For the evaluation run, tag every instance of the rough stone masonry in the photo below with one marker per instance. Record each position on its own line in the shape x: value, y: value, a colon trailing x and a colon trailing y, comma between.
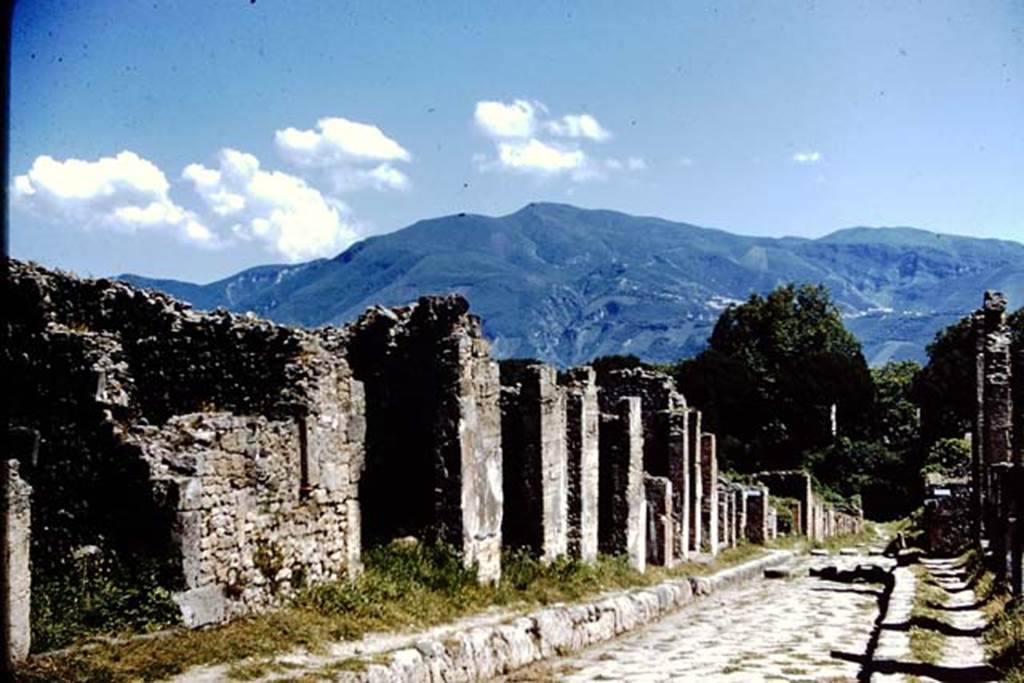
x: 238, y: 461
x: 582, y: 422
x: 533, y: 433
x: 997, y: 471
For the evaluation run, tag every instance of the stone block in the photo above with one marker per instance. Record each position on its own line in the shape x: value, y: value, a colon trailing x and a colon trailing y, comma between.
x: 202, y: 606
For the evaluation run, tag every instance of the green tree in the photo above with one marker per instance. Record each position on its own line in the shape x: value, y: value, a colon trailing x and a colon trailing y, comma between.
x: 944, y: 389
x: 887, y: 484
x: 950, y: 457
x: 896, y: 412
x: 773, y: 368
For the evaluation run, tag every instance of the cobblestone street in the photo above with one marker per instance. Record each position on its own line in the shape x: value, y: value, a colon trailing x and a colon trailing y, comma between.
x: 796, y: 629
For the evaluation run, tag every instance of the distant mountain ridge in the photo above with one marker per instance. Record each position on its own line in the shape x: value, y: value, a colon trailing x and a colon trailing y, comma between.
x: 565, y: 284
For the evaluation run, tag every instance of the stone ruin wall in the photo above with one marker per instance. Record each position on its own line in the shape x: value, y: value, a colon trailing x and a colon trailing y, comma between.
x: 252, y: 459
x: 432, y: 413
x: 534, y: 433
x: 666, y: 449
x: 227, y: 447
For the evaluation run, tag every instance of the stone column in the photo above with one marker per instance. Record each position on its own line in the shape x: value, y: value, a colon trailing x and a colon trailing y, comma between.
x: 998, y: 412
x: 15, y: 574
x: 659, y: 521
x: 723, y: 517
x: 757, y: 515
x: 534, y: 459
x: 979, y: 469
x: 1015, y: 496
x: 696, y: 483
x: 582, y: 419
x: 679, y: 474
x: 709, y: 504
x: 621, y: 502
x: 741, y: 514
x: 480, y: 460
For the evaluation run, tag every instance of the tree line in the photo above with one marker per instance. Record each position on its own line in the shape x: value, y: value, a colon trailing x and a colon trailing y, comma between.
x: 780, y: 371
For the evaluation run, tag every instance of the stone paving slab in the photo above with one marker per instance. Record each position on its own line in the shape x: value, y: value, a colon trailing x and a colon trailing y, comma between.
x: 963, y: 651
x: 797, y: 629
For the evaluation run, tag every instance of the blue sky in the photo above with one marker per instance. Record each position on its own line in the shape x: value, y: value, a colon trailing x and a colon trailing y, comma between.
x: 193, y: 139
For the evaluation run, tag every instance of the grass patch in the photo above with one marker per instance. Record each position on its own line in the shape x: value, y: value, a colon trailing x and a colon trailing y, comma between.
x: 1004, y: 637
x: 926, y: 643
x: 403, y: 586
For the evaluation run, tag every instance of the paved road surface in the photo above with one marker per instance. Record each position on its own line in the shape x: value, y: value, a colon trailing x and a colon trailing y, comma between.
x: 796, y: 629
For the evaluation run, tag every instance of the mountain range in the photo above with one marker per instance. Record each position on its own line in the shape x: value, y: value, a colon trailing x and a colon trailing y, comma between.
x: 566, y: 285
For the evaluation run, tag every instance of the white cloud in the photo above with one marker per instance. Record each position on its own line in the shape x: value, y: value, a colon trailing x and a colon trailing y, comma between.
x: 523, y: 142
x: 534, y: 155
x: 809, y: 157
x: 578, y: 126
x: 338, y: 141
x: 288, y: 215
x: 125, y: 192
x: 348, y: 154
x: 515, y: 120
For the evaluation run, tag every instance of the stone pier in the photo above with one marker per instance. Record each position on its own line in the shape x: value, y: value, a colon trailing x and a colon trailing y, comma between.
x: 739, y: 494
x: 433, y: 414
x: 757, y: 515
x: 997, y: 422
x: 582, y: 422
x: 15, y: 575
x: 696, y: 483
x: 979, y: 464
x: 660, y: 546
x: 723, y: 519
x: 666, y: 450
x: 709, y: 486
x: 533, y: 433
x: 621, y: 501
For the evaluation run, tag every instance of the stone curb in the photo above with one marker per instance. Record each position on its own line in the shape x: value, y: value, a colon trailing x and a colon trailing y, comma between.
x: 488, y: 651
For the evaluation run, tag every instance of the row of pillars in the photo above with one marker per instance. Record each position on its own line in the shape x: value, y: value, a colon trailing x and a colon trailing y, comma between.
x: 997, y: 471
x: 619, y: 467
